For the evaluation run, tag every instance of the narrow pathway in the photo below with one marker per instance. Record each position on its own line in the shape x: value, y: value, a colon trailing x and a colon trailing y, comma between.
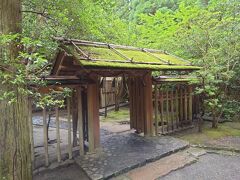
x: 209, y: 167
x: 164, y: 166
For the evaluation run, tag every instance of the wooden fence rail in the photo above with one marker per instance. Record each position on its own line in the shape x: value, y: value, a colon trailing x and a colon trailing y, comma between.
x: 173, y: 109
x: 64, y: 136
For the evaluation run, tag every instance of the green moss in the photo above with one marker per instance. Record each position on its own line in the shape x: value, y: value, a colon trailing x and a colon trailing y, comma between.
x: 121, y: 115
x: 101, y: 53
x: 139, y: 56
x: 208, y: 134
x: 179, y: 79
x: 170, y: 59
x: 107, y: 54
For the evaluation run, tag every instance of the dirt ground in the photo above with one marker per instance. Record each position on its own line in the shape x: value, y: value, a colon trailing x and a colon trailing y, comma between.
x: 226, y: 136
x: 116, y: 122
x: 71, y: 172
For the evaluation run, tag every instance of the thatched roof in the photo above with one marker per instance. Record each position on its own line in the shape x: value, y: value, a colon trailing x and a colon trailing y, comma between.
x: 110, y: 56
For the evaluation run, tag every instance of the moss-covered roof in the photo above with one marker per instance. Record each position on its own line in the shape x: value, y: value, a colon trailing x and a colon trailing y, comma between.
x: 102, y: 55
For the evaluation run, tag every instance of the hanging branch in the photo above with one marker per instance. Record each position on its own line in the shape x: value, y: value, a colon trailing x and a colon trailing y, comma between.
x: 6, y: 69
x: 43, y: 14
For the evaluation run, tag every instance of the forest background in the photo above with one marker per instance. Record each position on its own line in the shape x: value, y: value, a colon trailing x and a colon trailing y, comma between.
x: 205, y: 32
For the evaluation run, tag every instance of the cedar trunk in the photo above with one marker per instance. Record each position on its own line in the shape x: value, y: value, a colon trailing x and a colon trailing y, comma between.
x: 15, y: 149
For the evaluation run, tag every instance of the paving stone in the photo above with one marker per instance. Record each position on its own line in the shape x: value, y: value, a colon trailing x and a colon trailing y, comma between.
x: 123, y: 152
x: 196, y: 152
x: 160, y: 167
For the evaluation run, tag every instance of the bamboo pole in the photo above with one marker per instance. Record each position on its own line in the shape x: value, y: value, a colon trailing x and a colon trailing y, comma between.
x: 58, y: 135
x: 45, y: 137
x: 69, y: 128
x: 80, y: 122
x: 31, y: 130
x: 156, y: 110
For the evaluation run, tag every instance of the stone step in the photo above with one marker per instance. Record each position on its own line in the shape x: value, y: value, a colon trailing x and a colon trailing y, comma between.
x: 164, y: 166
x: 121, y: 153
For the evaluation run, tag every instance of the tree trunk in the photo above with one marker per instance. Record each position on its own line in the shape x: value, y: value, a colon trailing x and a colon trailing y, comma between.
x: 215, y: 120
x: 15, y: 148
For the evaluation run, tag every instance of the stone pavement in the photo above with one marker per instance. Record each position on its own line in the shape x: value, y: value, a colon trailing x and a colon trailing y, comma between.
x: 163, y: 166
x: 209, y: 167
x: 123, y: 152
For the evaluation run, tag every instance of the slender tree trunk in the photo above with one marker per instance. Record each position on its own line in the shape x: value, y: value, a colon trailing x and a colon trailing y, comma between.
x: 215, y: 119
x: 15, y: 148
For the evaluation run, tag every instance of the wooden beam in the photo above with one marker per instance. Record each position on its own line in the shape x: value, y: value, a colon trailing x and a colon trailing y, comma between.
x: 130, y: 90
x: 31, y: 131
x: 181, y: 106
x: 172, y: 109
x: 161, y: 110
x: 80, y: 122
x: 177, y: 108
x: 167, y: 109
x: 45, y: 137
x: 148, y: 105
x: 93, y: 115
x: 190, y: 103
x: 156, y: 109
x: 58, y: 135
x: 58, y: 62
x: 69, y: 128
x: 74, y: 117
x: 185, y: 104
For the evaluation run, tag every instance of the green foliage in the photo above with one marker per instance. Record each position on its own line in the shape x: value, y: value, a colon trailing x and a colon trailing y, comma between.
x: 207, y: 33
x: 203, y: 31
x: 208, y: 135
x: 121, y: 115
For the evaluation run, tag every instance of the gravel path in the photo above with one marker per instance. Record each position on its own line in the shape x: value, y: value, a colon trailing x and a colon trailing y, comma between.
x: 209, y: 167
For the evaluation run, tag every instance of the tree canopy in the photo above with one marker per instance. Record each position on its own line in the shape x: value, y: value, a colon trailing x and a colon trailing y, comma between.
x: 205, y: 32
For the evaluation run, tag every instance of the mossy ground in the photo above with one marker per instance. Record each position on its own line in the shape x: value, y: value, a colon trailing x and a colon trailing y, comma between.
x: 117, y: 116
x: 209, y: 134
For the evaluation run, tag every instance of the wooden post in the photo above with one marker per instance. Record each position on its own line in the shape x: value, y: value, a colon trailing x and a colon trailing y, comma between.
x: 185, y: 105
x: 141, y: 110
x: 156, y: 109
x: 190, y: 103
x: 69, y: 128
x: 45, y: 137
x: 130, y: 89
x: 80, y: 122
x: 172, y: 109
x: 181, y: 106
x: 74, y: 117
x: 105, y: 97
x: 58, y: 135
x: 167, y: 109
x: 31, y: 129
x: 161, y: 110
x: 148, y: 105
x: 177, y: 108
x: 93, y: 115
